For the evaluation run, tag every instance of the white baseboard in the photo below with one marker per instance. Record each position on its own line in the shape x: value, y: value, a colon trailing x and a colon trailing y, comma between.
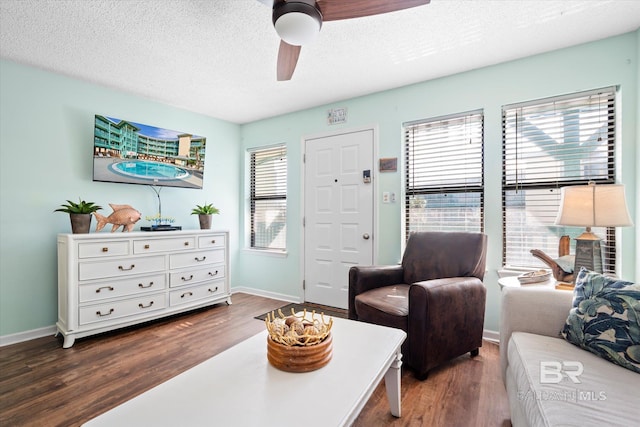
x: 27, y: 335
x: 265, y: 294
x: 52, y: 330
x: 493, y: 336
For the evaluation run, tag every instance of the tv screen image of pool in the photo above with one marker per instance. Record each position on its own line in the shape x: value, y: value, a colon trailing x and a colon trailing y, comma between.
x: 134, y: 153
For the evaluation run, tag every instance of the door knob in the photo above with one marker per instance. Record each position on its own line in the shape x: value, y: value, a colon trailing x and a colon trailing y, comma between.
x: 365, y: 236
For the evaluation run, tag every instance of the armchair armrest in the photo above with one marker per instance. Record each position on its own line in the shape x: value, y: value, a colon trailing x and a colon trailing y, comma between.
x: 541, y: 311
x: 364, y: 278
x: 454, y: 307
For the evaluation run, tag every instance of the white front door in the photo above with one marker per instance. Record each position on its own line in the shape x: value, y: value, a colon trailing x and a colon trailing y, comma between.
x: 338, y: 210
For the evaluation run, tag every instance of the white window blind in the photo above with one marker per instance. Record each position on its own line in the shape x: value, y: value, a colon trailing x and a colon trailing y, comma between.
x: 549, y: 144
x: 444, y: 174
x: 269, y: 198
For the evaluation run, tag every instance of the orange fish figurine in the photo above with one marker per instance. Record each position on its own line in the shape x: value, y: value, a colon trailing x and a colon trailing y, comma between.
x: 122, y: 215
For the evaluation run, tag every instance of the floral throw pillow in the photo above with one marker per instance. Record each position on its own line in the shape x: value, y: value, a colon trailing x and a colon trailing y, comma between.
x: 605, y: 318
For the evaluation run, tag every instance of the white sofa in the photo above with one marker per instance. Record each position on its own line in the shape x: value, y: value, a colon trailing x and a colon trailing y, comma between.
x: 532, y: 354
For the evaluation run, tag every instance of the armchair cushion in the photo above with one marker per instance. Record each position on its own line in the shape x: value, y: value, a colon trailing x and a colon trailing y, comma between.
x: 388, y: 306
x: 366, y: 278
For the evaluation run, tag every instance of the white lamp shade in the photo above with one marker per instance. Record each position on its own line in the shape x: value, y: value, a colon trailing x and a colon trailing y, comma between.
x: 297, y: 28
x: 593, y: 206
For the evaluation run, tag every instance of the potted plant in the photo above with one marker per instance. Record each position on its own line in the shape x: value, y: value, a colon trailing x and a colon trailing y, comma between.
x: 80, y: 214
x: 205, y: 213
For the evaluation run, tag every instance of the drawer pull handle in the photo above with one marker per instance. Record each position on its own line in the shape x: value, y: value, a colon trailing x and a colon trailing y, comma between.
x: 186, y: 294
x: 213, y: 242
x: 200, y: 259
x: 147, y: 246
x: 186, y: 243
x: 145, y: 306
x: 105, y: 249
x: 121, y: 268
x: 213, y: 274
x: 186, y: 280
x: 212, y: 291
x: 140, y: 285
x: 99, y: 313
x: 109, y: 288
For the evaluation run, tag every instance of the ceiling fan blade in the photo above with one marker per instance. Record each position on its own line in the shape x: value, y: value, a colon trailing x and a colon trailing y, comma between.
x: 333, y: 10
x: 287, y: 60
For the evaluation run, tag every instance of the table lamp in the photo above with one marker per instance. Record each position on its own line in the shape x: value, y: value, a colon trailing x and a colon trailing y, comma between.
x: 592, y: 206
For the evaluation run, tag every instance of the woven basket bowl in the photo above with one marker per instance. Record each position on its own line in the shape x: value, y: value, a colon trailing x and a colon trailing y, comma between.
x: 300, y: 358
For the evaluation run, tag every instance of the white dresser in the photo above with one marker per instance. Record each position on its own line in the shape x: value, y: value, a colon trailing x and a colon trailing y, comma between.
x: 111, y: 280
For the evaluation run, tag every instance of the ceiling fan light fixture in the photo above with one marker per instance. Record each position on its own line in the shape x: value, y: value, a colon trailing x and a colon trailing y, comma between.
x: 297, y: 23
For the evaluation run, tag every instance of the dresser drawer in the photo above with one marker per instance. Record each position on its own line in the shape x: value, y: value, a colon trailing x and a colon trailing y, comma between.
x: 217, y: 241
x: 122, y: 287
x: 187, y: 277
x: 148, y: 246
x: 196, y: 258
x: 103, y: 249
x: 117, y: 309
x: 120, y: 267
x: 196, y: 293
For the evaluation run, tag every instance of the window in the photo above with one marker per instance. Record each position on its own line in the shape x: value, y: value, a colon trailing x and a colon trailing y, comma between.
x: 269, y: 198
x: 444, y: 174
x: 549, y: 144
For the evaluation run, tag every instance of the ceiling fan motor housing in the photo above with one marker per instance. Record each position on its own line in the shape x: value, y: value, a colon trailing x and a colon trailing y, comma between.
x: 297, y: 22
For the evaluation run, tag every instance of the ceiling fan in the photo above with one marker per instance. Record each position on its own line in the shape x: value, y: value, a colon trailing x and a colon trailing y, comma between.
x: 298, y: 22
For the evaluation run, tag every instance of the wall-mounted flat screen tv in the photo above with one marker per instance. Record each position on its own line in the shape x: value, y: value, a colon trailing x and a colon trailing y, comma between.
x: 133, y: 153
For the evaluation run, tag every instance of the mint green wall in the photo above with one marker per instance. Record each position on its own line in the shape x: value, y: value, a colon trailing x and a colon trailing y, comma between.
x: 46, y: 125
x: 607, y: 62
x: 637, y: 173
x: 46, y: 148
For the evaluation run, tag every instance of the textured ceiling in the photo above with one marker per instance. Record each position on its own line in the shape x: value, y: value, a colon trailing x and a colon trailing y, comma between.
x: 218, y: 57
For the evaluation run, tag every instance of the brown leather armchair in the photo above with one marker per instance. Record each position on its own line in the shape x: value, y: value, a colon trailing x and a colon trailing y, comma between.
x: 436, y: 296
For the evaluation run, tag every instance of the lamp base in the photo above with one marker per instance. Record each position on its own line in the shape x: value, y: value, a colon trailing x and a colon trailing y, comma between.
x: 588, y: 255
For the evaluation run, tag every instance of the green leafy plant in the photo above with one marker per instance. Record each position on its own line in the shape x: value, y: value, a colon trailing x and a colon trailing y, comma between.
x: 207, y: 209
x: 81, y: 207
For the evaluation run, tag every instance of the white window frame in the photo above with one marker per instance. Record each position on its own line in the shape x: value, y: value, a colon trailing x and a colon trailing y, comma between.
x: 268, y: 186
x: 444, y: 157
x: 548, y: 144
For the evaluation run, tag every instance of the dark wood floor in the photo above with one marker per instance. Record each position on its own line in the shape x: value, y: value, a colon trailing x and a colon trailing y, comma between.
x: 42, y: 384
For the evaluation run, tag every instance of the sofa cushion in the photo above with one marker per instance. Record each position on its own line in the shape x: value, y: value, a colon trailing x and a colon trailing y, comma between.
x: 590, y: 284
x: 605, y: 395
x: 605, y: 319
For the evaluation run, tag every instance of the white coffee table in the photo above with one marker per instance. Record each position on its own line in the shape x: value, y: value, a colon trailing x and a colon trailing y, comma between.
x: 239, y: 387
